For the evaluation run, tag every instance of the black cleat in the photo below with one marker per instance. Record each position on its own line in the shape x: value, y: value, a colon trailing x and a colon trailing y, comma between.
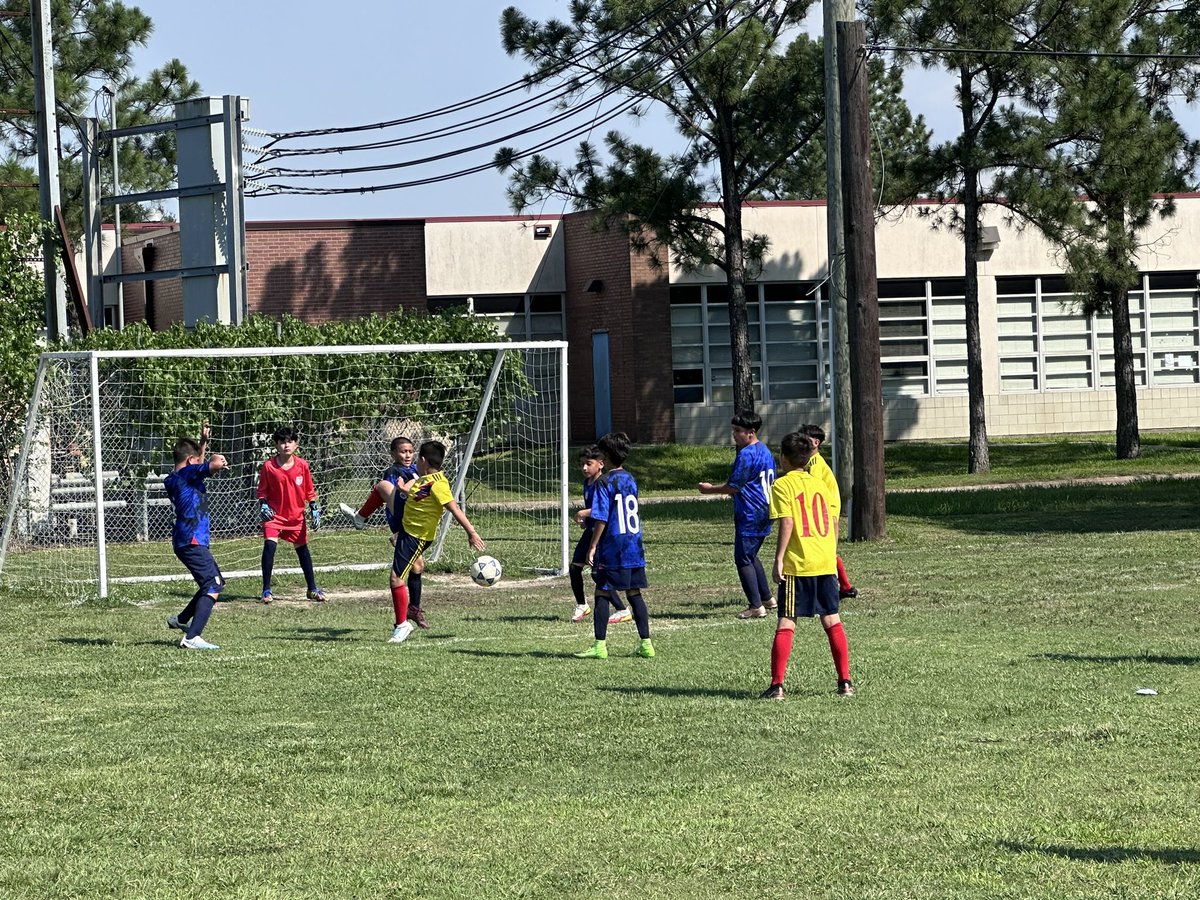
x: 845, y: 688
x: 774, y: 692
x: 848, y: 594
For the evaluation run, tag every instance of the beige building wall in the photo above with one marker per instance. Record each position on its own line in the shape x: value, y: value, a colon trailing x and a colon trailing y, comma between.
x: 493, y: 256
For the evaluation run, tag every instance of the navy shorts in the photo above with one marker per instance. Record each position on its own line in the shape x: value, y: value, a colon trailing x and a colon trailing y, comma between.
x: 199, y: 561
x: 746, y: 547
x: 408, y: 551
x: 579, y: 557
x: 619, y: 579
x: 805, y: 596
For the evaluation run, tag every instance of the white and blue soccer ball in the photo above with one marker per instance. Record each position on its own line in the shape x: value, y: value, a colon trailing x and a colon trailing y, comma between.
x: 486, y: 571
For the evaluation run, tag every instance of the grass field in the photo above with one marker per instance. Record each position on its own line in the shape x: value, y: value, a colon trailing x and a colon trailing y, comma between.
x: 996, y: 749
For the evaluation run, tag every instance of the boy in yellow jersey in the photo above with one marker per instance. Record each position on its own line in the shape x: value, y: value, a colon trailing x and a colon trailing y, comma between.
x: 428, y: 497
x: 820, y: 468
x: 806, y: 510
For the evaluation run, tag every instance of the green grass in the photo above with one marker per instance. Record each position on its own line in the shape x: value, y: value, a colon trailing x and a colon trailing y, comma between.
x: 996, y: 749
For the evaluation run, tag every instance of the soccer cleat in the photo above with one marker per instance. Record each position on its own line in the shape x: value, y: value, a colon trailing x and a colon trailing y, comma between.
x: 197, y: 643
x: 417, y: 614
x: 619, y: 616
x: 400, y: 633
x: 352, y: 514
x: 582, y: 611
x: 847, y: 593
x: 173, y: 622
x: 598, y: 650
x: 753, y: 612
x: 774, y: 692
x: 645, y: 649
x: 845, y: 688
x: 771, y: 604
x: 317, y: 595
x: 267, y: 596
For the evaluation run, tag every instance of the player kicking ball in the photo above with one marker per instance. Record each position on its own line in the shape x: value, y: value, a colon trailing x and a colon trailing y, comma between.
x: 806, y: 509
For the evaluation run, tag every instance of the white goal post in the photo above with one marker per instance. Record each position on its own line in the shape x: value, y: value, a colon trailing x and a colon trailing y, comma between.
x: 86, y: 508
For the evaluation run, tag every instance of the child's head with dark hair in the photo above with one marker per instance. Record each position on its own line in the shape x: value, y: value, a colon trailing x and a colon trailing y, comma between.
x: 592, y: 452
x: 285, y: 433
x: 398, y: 442
x: 797, y: 448
x: 185, y: 449
x: 816, y: 432
x: 747, y: 420
x: 615, y: 447
x: 434, y: 454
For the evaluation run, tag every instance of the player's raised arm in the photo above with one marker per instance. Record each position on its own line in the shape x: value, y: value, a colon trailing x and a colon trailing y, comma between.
x: 205, y: 434
x: 460, y: 517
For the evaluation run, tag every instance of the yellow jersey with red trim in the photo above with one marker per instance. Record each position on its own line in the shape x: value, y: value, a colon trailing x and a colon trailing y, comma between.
x: 426, y: 500
x: 818, y: 468
x: 813, y: 509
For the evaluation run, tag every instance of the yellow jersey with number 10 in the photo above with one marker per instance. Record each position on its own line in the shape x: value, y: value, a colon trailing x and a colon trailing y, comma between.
x: 813, y: 509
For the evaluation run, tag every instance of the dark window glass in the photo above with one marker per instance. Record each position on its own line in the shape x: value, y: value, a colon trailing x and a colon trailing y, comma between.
x: 683, y: 294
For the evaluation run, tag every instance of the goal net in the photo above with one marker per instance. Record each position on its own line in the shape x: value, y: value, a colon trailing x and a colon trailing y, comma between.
x: 86, y: 509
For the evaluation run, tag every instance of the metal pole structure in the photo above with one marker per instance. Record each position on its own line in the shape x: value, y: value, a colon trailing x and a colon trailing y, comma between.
x: 841, y: 425
x: 49, y: 195
x: 98, y: 464
x: 116, y: 182
x: 564, y: 439
x: 234, y: 112
x: 93, y: 236
x: 18, y: 481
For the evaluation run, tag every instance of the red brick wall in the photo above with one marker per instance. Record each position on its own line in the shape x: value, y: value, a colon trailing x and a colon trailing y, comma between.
x: 634, y: 309
x: 319, y: 271
x: 168, y: 293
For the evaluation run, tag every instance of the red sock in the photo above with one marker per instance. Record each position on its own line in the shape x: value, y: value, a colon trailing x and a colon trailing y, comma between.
x: 781, y: 649
x: 843, y: 579
x: 400, y: 603
x: 840, y: 650
x: 373, y: 503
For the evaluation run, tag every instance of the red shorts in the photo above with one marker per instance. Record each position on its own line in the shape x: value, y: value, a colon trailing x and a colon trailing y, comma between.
x: 282, y: 530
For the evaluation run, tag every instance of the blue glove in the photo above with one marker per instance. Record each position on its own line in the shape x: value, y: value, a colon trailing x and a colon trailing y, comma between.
x: 265, y: 511
x: 315, y: 514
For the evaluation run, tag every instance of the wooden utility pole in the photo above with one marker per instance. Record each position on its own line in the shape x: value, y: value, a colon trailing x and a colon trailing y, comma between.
x: 841, y: 405
x: 870, y: 515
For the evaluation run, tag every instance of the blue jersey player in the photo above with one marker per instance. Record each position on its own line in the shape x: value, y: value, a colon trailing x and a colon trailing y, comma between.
x: 750, y: 486
x: 190, y: 535
x: 592, y: 462
x: 616, y: 555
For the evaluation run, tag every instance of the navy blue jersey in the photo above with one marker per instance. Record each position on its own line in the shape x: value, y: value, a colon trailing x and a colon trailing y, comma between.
x: 189, y: 496
x: 616, y: 504
x: 589, y: 497
x: 753, y: 474
x: 394, y: 475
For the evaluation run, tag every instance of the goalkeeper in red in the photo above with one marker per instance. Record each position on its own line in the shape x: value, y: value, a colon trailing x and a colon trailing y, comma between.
x: 806, y: 509
x: 285, y: 486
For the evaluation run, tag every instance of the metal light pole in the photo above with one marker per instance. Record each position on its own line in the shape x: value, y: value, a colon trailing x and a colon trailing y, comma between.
x: 47, y: 147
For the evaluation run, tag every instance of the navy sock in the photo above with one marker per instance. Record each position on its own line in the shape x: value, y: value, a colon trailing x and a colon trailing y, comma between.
x: 414, y: 590
x: 190, y: 610
x: 306, y: 567
x: 576, y: 575
x: 641, y: 615
x: 764, y: 586
x: 268, y: 563
x: 750, y: 587
x: 600, y: 616
x: 204, y: 606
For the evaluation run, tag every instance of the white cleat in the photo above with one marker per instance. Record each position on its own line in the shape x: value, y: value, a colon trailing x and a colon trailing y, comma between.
x: 197, y: 643
x: 352, y: 514
x: 401, y: 632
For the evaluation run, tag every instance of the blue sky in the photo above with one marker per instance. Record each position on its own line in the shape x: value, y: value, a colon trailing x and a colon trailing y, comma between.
x: 309, y: 64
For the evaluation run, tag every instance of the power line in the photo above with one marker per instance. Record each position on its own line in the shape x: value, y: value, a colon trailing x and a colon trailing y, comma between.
x: 1066, y: 54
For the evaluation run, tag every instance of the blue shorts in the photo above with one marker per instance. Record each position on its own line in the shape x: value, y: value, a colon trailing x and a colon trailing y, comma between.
x: 805, y: 596
x: 579, y: 557
x: 746, y: 547
x: 408, y: 551
x: 619, y: 579
x: 198, y: 560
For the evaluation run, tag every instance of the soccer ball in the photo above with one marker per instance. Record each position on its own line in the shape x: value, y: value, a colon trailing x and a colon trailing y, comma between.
x: 486, y: 571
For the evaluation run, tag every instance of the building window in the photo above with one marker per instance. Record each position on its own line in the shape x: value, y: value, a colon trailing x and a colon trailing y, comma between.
x: 528, y: 317
x: 1048, y: 344
x: 923, y: 337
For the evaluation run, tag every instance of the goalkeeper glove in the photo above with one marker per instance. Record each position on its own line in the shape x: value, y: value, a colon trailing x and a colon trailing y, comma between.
x: 265, y: 511
x: 315, y: 514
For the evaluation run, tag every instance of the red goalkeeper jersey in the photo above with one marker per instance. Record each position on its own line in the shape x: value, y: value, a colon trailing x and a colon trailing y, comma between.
x: 286, y: 490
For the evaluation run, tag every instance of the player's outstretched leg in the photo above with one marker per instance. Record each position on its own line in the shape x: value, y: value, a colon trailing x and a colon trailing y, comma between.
x: 415, y: 611
x: 310, y: 576
x: 582, y: 610
x: 599, y: 649
x: 840, y: 650
x: 845, y: 589
x: 641, y: 618
x: 781, y: 649
x: 268, y: 566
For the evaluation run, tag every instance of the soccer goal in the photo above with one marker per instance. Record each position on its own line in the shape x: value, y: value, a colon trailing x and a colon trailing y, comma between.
x: 86, y: 508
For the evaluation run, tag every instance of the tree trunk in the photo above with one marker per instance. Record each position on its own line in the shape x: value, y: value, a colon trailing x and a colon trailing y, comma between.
x: 1128, y: 441
x: 978, y: 461
x: 735, y: 272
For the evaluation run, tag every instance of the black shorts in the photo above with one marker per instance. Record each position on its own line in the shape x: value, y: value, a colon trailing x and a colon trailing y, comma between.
x: 805, y: 596
x: 408, y: 551
x: 199, y: 561
x: 619, y: 579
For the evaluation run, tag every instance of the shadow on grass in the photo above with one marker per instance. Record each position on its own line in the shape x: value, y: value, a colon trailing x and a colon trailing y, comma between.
x: 84, y: 642
x: 661, y: 690
x: 317, y: 635
x: 509, y: 654
x: 1172, y: 856
x: 527, y: 619
x: 1146, y: 658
